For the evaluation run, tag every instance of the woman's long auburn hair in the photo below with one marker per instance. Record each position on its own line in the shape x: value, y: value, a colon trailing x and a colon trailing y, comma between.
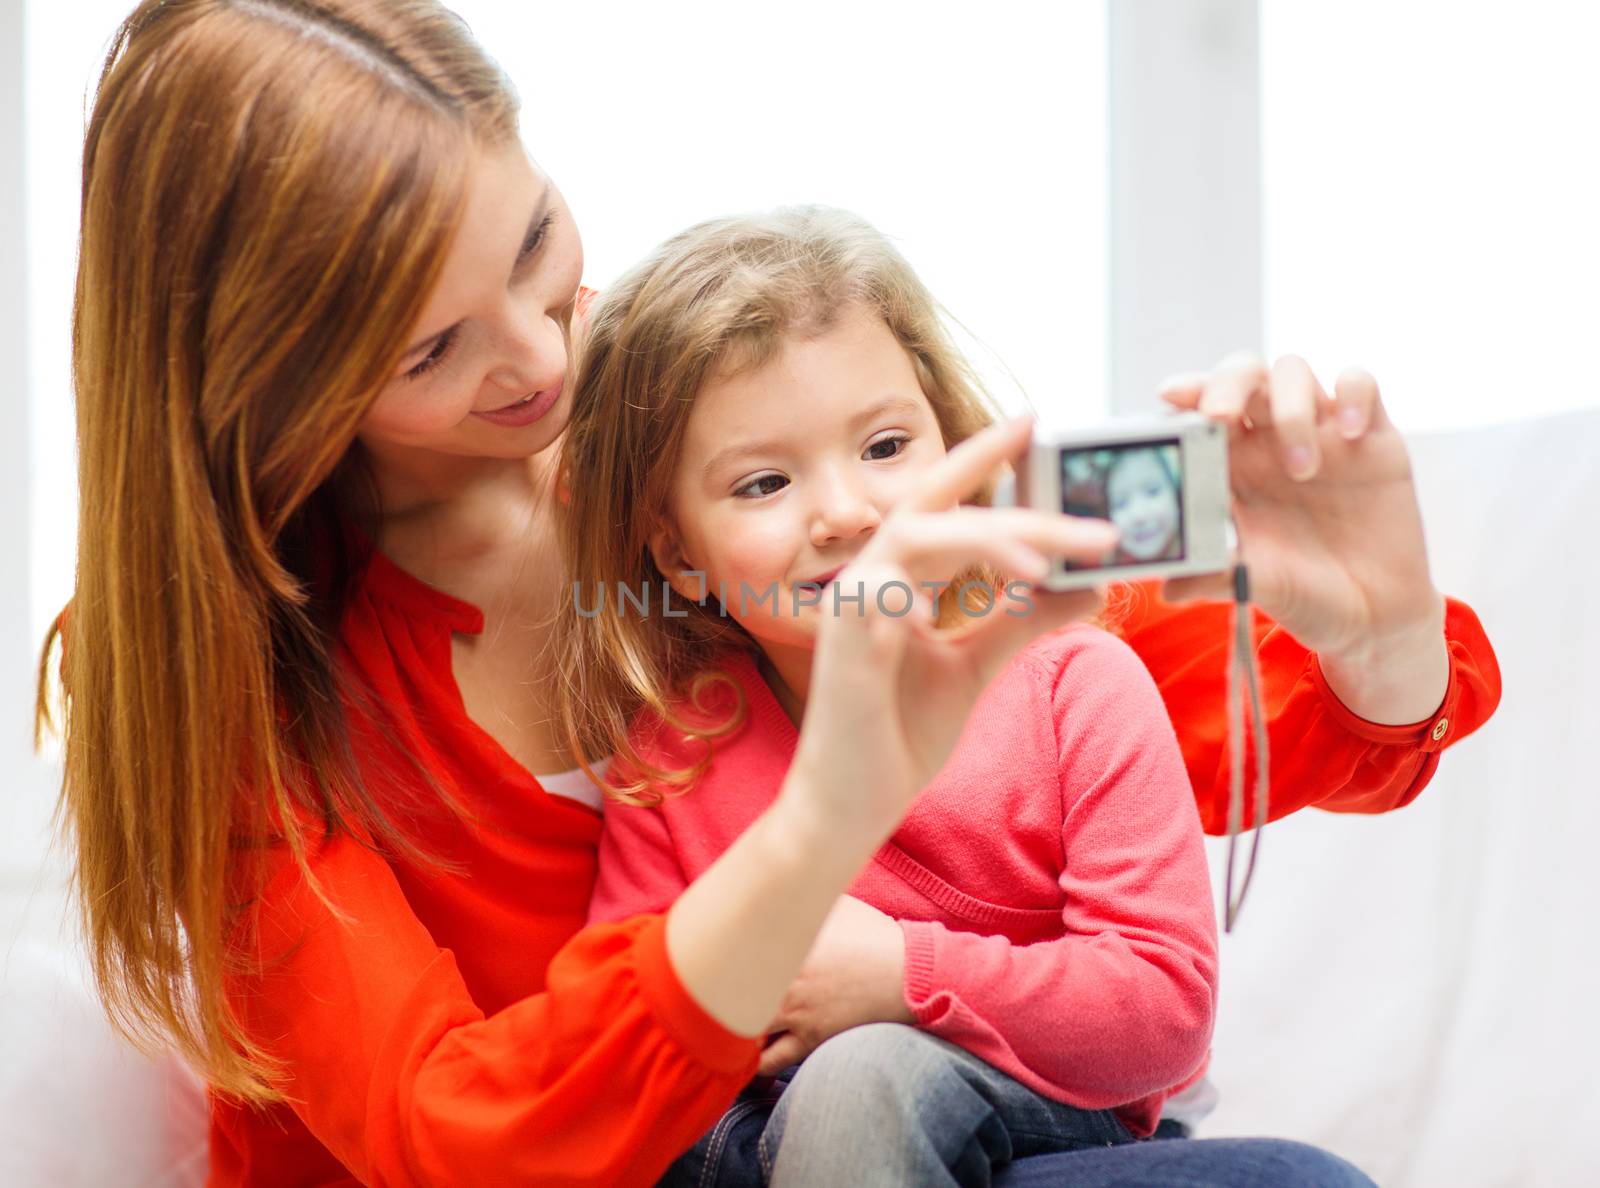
x: 270, y: 188
x: 718, y: 298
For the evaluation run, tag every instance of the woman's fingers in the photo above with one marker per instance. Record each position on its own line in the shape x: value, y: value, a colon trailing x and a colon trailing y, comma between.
x: 1297, y: 402
x: 1243, y: 391
x: 1356, y: 401
x: 1183, y: 390
x: 1233, y: 393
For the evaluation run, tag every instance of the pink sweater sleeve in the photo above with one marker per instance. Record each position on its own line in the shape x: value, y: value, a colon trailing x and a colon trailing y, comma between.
x: 1121, y: 1007
x: 639, y: 871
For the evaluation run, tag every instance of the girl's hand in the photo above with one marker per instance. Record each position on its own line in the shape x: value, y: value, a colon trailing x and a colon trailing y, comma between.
x: 1330, y: 528
x: 854, y: 974
x: 889, y: 692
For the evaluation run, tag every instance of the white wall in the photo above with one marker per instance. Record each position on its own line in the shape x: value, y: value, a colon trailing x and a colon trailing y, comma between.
x: 1430, y: 189
x: 976, y: 136
x: 24, y: 783
x: 1185, y: 191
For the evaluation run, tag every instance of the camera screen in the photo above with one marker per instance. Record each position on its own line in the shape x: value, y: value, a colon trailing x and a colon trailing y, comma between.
x: 1139, y: 488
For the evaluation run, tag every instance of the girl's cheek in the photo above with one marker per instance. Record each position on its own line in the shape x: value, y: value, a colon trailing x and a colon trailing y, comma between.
x: 754, y: 561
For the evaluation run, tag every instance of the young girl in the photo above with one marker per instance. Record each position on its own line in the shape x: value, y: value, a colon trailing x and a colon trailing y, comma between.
x: 755, y: 399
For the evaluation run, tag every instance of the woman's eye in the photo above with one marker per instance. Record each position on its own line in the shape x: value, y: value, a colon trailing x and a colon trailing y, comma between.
x: 766, y: 484
x: 441, y: 348
x: 876, y: 452
x: 535, y: 237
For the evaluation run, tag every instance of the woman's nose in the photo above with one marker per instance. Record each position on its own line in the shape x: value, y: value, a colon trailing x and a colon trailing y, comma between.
x: 533, y: 354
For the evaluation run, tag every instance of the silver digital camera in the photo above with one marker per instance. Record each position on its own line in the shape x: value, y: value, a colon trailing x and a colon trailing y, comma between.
x: 1162, y: 482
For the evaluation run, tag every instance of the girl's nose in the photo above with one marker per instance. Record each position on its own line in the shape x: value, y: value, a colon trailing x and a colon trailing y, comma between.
x: 846, y: 512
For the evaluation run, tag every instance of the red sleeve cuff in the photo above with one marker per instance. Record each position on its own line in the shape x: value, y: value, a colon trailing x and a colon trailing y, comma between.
x: 680, y: 1014
x: 1430, y: 734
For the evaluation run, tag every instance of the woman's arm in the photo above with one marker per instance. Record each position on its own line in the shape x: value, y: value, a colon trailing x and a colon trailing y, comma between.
x: 1369, y: 671
x: 1322, y: 754
x: 603, y: 1077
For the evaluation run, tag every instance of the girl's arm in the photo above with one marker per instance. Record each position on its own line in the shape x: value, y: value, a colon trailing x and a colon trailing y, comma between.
x: 1121, y: 1006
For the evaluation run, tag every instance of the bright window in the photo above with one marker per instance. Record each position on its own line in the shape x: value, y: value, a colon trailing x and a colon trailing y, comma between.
x: 1430, y: 191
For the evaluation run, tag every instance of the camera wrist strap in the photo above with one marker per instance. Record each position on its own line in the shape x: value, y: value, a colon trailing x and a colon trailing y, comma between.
x: 1244, y: 693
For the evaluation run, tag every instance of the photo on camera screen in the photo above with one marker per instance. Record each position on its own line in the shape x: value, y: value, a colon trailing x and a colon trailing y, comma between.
x: 1139, y: 488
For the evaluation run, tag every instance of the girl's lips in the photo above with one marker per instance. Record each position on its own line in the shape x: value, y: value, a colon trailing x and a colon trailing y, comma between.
x: 525, y: 411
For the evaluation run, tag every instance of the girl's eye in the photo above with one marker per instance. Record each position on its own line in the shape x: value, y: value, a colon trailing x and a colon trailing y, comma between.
x: 766, y: 484
x: 441, y: 348
x: 897, y: 444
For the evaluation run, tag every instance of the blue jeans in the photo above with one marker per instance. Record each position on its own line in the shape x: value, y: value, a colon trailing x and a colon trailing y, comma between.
x: 1193, y: 1163
x: 889, y: 1105
x: 909, y: 1106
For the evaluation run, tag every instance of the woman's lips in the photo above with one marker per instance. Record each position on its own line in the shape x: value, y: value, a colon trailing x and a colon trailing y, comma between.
x: 525, y: 411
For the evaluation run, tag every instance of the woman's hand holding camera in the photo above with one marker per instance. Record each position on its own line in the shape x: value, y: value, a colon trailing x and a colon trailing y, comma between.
x: 1330, y: 528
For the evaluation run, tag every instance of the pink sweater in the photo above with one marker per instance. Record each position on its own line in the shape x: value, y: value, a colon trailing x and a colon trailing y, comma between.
x: 1051, y: 882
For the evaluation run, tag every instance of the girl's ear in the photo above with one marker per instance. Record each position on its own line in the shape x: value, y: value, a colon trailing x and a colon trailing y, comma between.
x: 667, y: 552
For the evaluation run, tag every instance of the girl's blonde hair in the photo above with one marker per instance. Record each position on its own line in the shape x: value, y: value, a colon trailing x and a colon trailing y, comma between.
x: 717, y: 299
x: 270, y: 188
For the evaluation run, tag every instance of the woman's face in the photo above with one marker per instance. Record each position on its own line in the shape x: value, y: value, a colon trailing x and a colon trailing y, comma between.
x: 485, y: 366
x: 1144, y: 505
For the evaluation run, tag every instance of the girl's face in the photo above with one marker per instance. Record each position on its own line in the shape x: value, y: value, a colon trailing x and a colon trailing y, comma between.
x: 1143, y: 504
x: 485, y: 366
x: 788, y: 470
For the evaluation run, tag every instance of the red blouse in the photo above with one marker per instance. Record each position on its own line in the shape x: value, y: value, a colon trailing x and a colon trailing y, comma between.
x: 461, y: 1026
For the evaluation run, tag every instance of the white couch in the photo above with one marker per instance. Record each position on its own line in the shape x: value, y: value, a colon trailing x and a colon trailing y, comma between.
x: 1418, y: 992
